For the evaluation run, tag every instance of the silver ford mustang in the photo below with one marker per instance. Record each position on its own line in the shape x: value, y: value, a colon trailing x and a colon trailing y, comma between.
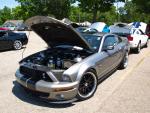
x: 72, y: 65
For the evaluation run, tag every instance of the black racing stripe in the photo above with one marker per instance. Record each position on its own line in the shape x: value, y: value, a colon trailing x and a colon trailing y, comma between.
x: 31, y: 83
x: 24, y: 79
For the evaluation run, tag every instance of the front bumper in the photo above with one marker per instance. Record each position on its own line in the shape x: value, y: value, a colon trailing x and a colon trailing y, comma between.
x: 58, y: 91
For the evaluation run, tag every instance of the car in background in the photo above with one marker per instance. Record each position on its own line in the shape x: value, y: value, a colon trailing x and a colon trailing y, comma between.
x: 138, y: 39
x: 73, y: 64
x: 135, y: 36
x: 90, y: 30
x: 4, y: 29
x: 81, y: 29
x: 141, y: 25
x: 86, y: 30
x: 10, y: 26
x: 11, y: 40
x: 100, y: 27
x: 21, y: 27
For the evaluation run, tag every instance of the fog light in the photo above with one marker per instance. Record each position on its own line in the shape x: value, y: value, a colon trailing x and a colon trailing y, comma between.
x: 60, y: 96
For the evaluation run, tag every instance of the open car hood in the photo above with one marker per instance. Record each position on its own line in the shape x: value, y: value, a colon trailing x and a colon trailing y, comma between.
x: 55, y: 33
x: 120, y: 28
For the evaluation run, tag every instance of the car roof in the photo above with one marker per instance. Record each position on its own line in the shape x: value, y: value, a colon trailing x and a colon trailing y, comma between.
x: 95, y: 34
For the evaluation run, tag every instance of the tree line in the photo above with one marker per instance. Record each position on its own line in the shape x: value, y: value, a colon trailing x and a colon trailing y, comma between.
x: 86, y: 10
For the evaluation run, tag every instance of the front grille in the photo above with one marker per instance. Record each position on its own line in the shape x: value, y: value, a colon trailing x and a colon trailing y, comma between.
x: 36, y: 75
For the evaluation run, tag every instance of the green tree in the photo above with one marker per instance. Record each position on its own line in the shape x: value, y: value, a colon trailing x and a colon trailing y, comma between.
x: 130, y: 13
x: 18, y: 13
x: 58, y: 8
x: 5, y: 14
x: 77, y: 15
x: 108, y: 17
x: 93, y: 6
x: 143, y: 5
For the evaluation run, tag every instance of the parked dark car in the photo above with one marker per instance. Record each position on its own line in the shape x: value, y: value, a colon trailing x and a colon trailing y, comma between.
x: 75, y: 62
x: 11, y: 40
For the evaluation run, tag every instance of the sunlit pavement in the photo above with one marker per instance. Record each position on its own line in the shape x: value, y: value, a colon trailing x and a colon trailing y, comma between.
x: 125, y: 91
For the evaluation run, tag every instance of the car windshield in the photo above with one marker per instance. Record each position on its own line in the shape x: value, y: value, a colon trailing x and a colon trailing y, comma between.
x: 93, y: 40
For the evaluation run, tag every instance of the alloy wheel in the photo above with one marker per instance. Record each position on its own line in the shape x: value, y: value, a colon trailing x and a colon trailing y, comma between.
x: 125, y: 62
x: 17, y: 45
x: 139, y: 48
x: 87, y: 86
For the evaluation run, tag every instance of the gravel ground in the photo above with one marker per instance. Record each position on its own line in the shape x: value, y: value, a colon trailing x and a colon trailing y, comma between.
x: 125, y: 91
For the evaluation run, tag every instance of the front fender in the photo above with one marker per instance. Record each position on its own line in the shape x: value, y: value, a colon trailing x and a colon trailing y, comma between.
x: 84, y: 68
x: 76, y: 71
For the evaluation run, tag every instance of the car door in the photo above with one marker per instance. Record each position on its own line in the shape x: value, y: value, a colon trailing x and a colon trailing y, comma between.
x: 4, y: 41
x: 110, y: 57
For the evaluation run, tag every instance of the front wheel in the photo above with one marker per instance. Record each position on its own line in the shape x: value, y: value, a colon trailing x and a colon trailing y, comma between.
x: 87, y: 86
x: 17, y: 45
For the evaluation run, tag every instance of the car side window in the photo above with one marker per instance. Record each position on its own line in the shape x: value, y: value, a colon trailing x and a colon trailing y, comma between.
x: 110, y: 41
x: 137, y: 32
x: 2, y: 34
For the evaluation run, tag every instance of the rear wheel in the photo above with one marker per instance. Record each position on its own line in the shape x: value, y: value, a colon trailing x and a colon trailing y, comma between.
x: 146, y: 45
x: 124, y: 62
x: 87, y: 86
x: 17, y: 45
x: 138, y: 49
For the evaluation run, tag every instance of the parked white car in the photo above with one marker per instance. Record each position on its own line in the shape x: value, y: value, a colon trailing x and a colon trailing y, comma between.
x: 137, y: 39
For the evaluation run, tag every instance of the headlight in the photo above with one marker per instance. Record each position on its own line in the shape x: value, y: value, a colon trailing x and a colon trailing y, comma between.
x: 66, y: 78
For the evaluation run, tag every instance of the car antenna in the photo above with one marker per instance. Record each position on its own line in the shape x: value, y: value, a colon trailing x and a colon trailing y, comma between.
x: 25, y: 45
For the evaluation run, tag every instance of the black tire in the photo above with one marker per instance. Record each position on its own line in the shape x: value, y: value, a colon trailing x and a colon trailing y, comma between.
x: 124, y: 62
x: 138, y: 49
x: 146, y: 45
x: 87, y: 86
x: 17, y: 45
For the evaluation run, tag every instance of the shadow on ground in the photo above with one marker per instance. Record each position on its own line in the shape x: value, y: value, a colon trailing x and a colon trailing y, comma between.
x: 6, y: 50
x: 25, y: 96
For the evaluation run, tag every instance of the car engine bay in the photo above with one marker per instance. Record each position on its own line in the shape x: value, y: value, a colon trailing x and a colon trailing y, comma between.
x: 57, y: 59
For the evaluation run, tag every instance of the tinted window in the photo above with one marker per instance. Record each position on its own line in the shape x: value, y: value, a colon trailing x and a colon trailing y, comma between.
x: 93, y: 40
x: 2, y: 34
x: 110, y: 41
x: 137, y: 32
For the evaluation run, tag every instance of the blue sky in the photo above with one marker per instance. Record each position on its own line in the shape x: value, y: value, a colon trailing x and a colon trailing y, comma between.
x: 13, y: 3
x: 9, y: 3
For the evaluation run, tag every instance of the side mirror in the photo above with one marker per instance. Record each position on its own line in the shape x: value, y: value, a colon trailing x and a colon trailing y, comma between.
x: 110, y: 47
